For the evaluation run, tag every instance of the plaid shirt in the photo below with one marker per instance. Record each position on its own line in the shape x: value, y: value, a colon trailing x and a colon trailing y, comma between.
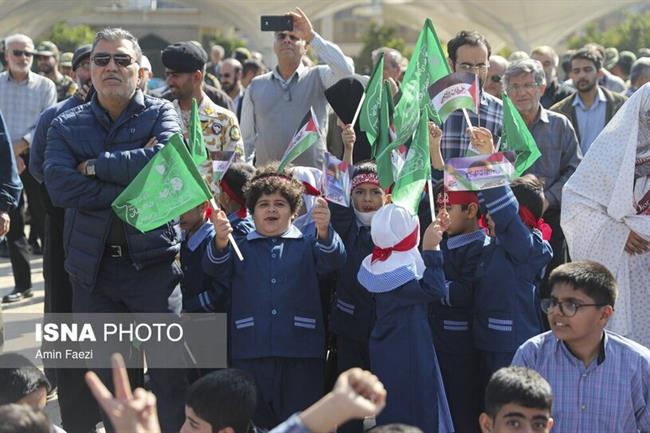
x: 612, y: 394
x: 455, y: 140
x: 22, y: 103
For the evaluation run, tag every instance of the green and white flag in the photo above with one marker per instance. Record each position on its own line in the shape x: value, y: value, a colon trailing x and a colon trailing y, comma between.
x: 168, y: 186
x: 369, y: 115
x: 304, y: 138
x: 427, y: 65
x: 517, y: 137
x: 411, y: 180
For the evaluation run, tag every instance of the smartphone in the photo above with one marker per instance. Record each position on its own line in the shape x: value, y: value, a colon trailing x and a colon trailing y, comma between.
x: 276, y: 23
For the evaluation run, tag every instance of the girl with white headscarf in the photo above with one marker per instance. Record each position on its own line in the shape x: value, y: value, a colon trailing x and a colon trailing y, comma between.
x: 606, y: 212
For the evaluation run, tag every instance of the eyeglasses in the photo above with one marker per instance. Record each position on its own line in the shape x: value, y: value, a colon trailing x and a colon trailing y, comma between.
x: 466, y: 67
x: 283, y: 35
x: 103, y: 59
x: 496, y: 78
x: 527, y: 87
x: 567, y: 308
x: 20, y: 53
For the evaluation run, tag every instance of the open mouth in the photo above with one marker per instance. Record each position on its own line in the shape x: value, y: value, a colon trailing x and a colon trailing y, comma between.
x: 271, y: 219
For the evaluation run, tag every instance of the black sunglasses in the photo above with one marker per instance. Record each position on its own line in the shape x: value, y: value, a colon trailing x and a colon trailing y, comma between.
x: 496, y: 78
x: 20, y: 53
x: 280, y: 36
x: 103, y: 59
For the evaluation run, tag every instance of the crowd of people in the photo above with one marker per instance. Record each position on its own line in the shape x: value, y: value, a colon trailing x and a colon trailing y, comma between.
x: 516, y: 308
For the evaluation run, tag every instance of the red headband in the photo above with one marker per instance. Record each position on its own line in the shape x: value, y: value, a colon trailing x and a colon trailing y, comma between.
x: 242, y: 212
x: 405, y: 244
x: 456, y: 197
x: 535, y: 223
x: 370, y: 178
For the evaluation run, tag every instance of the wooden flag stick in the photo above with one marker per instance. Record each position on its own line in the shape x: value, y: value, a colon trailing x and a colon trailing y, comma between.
x: 356, y: 113
x: 469, y: 122
x: 231, y: 239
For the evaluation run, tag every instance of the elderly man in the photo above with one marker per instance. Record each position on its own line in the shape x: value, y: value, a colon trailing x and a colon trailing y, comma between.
x: 549, y: 59
x: 494, y: 81
x: 556, y: 139
x: 639, y: 75
x: 93, y: 152
x: 23, y: 96
x: 392, y: 62
x: 592, y: 106
x: 275, y: 103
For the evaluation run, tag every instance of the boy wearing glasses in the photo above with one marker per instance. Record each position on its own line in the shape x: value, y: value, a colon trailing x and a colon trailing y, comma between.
x: 600, y: 380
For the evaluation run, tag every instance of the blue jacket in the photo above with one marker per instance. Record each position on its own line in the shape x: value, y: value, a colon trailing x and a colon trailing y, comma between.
x: 241, y: 226
x: 451, y: 317
x: 353, y: 308
x: 87, y: 132
x: 506, y: 299
x: 10, y: 185
x: 39, y: 139
x: 201, y: 293
x: 276, y: 308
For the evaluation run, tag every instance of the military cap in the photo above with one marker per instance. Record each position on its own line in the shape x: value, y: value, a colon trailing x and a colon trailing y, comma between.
x: 47, y: 48
x: 184, y: 57
x: 66, y: 59
x: 80, y: 54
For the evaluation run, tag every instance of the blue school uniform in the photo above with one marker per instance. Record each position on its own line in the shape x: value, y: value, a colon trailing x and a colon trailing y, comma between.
x: 506, y: 304
x: 201, y: 293
x: 352, y: 314
x: 451, y: 326
x: 276, y: 323
x: 401, y: 353
x: 241, y: 226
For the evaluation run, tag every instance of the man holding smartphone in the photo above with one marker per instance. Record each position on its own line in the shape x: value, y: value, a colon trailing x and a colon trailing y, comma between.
x: 276, y: 102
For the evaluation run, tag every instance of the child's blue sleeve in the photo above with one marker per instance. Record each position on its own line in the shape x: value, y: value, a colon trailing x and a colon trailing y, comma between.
x: 219, y: 263
x: 330, y: 254
x: 341, y: 218
x: 460, y: 291
x: 208, y: 300
x: 517, y: 239
x: 433, y: 281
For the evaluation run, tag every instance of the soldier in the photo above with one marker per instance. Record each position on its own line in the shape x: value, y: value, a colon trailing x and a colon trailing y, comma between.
x: 47, y: 59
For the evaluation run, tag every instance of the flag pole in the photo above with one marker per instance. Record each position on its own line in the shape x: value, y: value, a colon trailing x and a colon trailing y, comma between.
x: 469, y: 122
x: 231, y: 239
x: 356, y: 113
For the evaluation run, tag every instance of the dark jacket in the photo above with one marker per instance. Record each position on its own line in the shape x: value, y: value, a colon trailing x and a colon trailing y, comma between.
x: 565, y: 106
x: 10, y: 184
x: 87, y: 132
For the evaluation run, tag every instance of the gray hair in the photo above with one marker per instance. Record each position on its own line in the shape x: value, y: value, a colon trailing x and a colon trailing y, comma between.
x: 18, y: 37
x: 526, y: 66
x: 640, y: 68
x: 118, y: 34
x: 218, y: 48
x: 546, y: 50
x: 390, y: 54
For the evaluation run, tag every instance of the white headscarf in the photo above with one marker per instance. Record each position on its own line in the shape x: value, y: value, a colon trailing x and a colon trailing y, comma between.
x: 598, y: 212
x: 390, y: 225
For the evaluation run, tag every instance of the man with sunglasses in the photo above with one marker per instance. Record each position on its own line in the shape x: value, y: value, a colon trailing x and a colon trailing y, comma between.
x: 275, y: 103
x: 93, y: 152
x: 23, y: 96
x: 494, y: 81
x: 600, y: 380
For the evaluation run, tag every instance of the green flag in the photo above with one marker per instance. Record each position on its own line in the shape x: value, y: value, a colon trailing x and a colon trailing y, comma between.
x: 517, y: 137
x: 197, y: 142
x: 410, y: 182
x: 166, y: 187
x: 384, y: 146
x: 369, y: 115
x: 427, y: 65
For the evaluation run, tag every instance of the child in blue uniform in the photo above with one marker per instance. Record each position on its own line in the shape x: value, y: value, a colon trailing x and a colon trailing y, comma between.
x: 506, y: 300
x: 451, y: 316
x: 401, y: 352
x: 232, y: 198
x: 277, y: 329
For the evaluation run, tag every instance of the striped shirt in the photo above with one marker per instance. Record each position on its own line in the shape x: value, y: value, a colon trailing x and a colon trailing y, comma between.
x: 23, y: 102
x: 455, y: 140
x: 610, y: 395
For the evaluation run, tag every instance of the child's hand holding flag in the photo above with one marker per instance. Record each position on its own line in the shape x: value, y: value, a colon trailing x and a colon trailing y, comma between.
x: 432, y: 236
x: 222, y: 228
x: 321, y: 216
x: 481, y: 139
